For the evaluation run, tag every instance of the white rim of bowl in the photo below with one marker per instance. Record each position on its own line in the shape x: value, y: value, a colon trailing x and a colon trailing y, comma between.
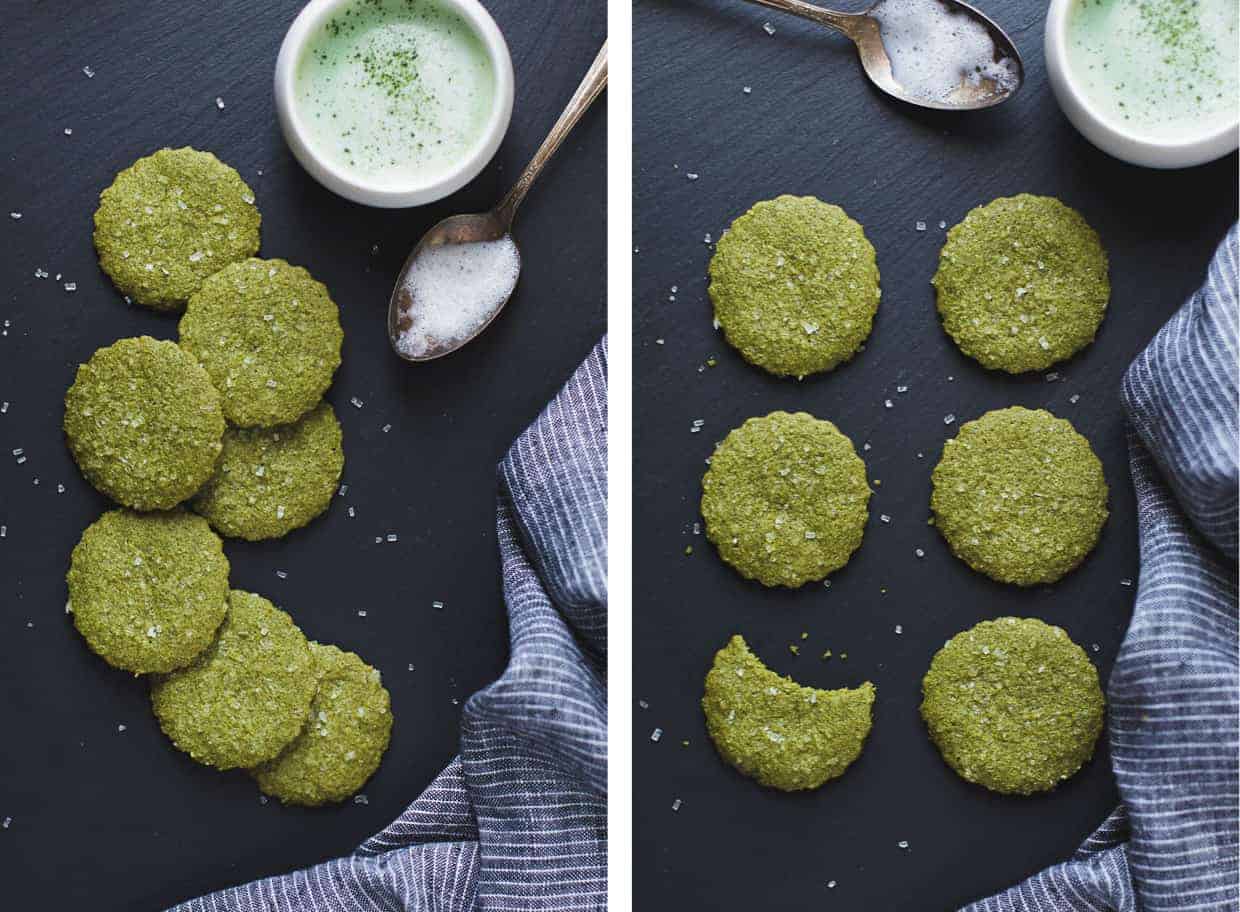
x: 1056, y: 30
x: 350, y: 185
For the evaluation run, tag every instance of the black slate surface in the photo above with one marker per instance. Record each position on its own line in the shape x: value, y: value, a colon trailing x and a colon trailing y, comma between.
x: 108, y: 820
x: 811, y: 125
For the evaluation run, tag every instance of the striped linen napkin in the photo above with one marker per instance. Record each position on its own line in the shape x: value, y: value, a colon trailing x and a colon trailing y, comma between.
x: 518, y: 821
x: 1174, y: 701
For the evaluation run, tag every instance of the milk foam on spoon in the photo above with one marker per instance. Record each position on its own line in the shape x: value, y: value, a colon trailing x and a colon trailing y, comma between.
x: 934, y: 50
x: 455, y: 290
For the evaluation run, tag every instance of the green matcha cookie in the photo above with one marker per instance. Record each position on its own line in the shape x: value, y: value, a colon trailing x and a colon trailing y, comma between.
x: 148, y: 590
x: 269, y: 481
x: 247, y: 697
x: 774, y: 730
x: 1022, y: 283
x: 1020, y: 496
x: 785, y: 499
x: 269, y: 335
x: 341, y: 746
x: 144, y: 423
x: 1013, y: 705
x: 795, y: 285
x: 170, y: 220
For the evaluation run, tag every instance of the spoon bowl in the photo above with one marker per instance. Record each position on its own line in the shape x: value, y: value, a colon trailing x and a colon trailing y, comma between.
x: 403, y: 310
x: 898, y: 40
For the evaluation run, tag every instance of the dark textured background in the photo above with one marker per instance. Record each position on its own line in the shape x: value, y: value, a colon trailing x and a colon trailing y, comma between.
x: 111, y: 821
x: 813, y: 126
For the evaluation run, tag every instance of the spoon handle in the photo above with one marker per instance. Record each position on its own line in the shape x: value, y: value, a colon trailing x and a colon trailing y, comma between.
x: 841, y: 22
x: 591, y: 87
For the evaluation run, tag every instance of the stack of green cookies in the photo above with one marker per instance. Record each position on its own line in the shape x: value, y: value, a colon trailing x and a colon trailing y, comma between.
x: 230, y: 422
x: 1018, y: 495
x: 232, y: 417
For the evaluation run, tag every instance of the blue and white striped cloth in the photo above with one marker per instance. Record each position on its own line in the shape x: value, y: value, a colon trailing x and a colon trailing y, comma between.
x: 518, y: 821
x: 1174, y: 694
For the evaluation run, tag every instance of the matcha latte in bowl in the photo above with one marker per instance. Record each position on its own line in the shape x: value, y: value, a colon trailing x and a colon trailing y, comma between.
x: 1151, y: 83
x: 394, y: 103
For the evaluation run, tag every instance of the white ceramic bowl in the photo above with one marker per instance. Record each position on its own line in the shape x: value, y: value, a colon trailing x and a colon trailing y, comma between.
x: 1105, y: 133
x: 355, y: 187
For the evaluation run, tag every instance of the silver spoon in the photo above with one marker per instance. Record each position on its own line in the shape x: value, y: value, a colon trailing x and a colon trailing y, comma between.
x: 495, y: 225
x: 864, y: 29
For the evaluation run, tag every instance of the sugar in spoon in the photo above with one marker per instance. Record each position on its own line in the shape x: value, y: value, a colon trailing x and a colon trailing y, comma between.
x: 940, y: 54
x: 462, y: 272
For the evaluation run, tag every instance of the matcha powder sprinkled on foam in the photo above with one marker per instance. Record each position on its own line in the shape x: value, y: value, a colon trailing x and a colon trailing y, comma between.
x: 395, y: 90
x: 1166, y: 69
